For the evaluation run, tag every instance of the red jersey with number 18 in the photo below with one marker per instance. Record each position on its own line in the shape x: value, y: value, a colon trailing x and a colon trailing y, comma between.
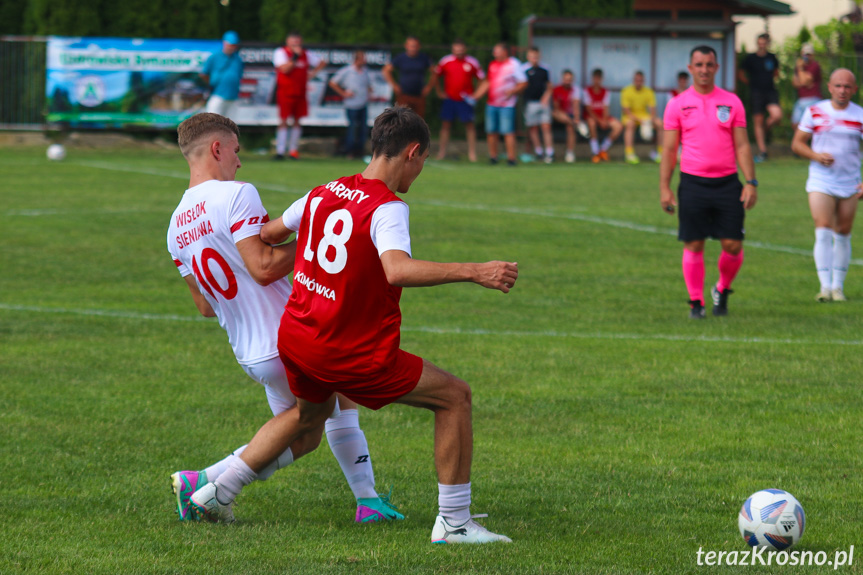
x: 342, y: 322
x: 211, y: 218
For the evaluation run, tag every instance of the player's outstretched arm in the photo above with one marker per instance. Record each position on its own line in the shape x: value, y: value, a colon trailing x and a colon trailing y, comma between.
x: 403, y: 271
x: 275, y: 232
x: 200, y: 301
x: 267, y: 263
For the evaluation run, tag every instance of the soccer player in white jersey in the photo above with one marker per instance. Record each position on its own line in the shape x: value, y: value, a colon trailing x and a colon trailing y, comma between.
x: 835, y: 127
x: 214, y: 238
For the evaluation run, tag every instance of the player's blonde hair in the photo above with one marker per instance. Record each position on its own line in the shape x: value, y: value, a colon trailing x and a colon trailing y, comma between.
x: 192, y: 131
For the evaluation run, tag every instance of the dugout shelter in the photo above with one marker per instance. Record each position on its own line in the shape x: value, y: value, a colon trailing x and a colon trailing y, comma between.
x: 657, y: 41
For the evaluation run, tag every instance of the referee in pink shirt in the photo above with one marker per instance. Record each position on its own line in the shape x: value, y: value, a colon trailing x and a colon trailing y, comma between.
x: 710, y: 124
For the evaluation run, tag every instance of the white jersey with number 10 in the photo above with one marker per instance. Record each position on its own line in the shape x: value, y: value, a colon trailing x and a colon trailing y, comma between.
x: 211, y: 218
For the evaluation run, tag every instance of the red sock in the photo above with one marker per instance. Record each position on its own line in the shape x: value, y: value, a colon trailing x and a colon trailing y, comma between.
x: 729, y: 265
x: 693, y: 274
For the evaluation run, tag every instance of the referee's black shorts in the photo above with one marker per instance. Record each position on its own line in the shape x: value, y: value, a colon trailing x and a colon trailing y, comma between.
x: 709, y: 207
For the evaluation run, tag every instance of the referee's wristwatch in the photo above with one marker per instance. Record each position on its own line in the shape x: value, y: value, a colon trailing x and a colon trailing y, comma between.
x: 752, y: 182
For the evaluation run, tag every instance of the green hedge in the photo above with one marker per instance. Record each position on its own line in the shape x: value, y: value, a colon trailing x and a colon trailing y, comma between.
x: 335, y: 21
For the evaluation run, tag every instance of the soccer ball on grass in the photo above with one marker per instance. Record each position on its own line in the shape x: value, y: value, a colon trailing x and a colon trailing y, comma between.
x: 56, y: 152
x: 771, y: 518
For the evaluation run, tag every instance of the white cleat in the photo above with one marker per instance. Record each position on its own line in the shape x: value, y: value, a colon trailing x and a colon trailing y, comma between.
x: 570, y: 157
x: 205, y: 504
x: 824, y: 296
x: 468, y: 532
x: 838, y: 295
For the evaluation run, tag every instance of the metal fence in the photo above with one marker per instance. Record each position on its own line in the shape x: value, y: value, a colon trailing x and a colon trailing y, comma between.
x: 22, y: 82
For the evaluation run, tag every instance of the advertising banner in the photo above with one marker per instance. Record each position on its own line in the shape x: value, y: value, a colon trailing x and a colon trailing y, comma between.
x: 126, y: 82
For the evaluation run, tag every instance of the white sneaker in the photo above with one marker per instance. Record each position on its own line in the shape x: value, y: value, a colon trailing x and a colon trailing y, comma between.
x: 824, y: 295
x: 205, y: 504
x: 838, y: 294
x: 468, y: 532
x: 548, y: 159
x: 570, y: 157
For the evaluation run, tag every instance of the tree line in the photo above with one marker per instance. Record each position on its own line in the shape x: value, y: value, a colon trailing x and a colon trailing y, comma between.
x: 320, y: 21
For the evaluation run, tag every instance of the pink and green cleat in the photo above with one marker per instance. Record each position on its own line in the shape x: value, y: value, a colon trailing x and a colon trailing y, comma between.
x: 377, y: 509
x: 183, y: 484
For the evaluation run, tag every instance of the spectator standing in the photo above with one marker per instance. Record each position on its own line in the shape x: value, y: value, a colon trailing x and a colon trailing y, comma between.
x: 354, y: 84
x: 537, y: 112
x: 415, y: 72
x: 223, y: 72
x: 458, y: 71
x: 759, y: 70
x: 294, y: 67
x: 807, y: 81
x: 506, y: 80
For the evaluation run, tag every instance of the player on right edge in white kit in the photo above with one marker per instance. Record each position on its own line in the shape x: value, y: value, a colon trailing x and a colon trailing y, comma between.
x: 214, y: 238
x: 834, y: 184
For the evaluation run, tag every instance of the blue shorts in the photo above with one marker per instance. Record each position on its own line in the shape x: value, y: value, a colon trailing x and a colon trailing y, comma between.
x: 499, y: 120
x: 450, y: 109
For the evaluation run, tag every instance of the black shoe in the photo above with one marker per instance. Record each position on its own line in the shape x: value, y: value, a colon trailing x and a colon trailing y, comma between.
x: 697, y: 310
x: 492, y: 161
x: 278, y: 157
x: 720, y: 300
x: 511, y: 163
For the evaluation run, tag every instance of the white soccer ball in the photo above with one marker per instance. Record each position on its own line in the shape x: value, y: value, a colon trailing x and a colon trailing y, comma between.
x: 583, y: 129
x: 56, y: 152
x: 647, y: 131
x: 771, y: 518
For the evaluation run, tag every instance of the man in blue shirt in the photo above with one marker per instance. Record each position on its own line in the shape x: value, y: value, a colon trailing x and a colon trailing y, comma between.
x: 414, y: 69
x: 223, y: 72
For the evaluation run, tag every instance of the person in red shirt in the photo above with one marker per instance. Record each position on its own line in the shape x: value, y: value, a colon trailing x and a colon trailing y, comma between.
x: 566, y: 109
x: 459, y: 72
x: 340, y: 332
x: 682, y: 83
x: 807, y: 81
x: 597, y: 99
x: 294, y: 67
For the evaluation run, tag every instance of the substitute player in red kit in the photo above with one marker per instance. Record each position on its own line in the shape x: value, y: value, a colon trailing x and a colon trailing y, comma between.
x: 710, y: 123
x: 341, y: 328
x: 214, y: 239
x: 294, y: 67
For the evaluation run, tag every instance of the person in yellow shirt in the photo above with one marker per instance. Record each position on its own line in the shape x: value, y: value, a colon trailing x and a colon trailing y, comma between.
x: 638, y: 103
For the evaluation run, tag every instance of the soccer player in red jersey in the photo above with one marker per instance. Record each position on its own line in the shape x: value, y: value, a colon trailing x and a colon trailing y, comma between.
x: 710, y: 123
x: 294, y: 67
x: 566, y: 109
x: 341, y: 328
x: 596, y: 102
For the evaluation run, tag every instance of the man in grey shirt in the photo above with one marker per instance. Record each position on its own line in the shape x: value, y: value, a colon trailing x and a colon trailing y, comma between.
x: 354, y: 84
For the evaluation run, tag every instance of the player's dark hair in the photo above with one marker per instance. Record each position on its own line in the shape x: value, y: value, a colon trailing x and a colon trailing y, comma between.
x: 567, y: 71
x: 533, y: 49
x: 683, y: 75
x: 702, y: 49
x: 596, y: 72
x: 294, y: 33
x: 459, y: 41
x: 639, y: 73
x: 765, y: 36
x: 193, y: 130
x: 395, y: 129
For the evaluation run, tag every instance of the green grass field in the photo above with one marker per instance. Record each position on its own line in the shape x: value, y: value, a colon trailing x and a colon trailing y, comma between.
x: 612, y: 434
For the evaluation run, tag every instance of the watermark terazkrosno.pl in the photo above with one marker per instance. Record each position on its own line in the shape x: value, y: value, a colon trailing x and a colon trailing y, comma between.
x: 764, y: 556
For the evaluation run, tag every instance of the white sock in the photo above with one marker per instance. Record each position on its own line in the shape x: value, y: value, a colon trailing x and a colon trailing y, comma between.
x: 823, y: 253
x: 594, y: 146
x: 606, y: 144
x: 348, y: 443
x: 549, y: 152
x: 841, y: 258
x: 283, y: 460
x: 537, y: 151
x: 232, y: 481
x: 281, y: 140
x: 295, y: 137
x: 215, y: 470
x: 454, y: 503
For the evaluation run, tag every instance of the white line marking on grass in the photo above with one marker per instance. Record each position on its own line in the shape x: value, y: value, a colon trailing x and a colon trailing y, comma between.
x: 609, y: 222
x: 119, y: 314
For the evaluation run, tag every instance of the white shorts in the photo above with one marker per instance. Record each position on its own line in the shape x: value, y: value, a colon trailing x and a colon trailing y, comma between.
x: 535, y: 113
x: 843, y: 193
x: 218, y: 105
x: 272, y: 375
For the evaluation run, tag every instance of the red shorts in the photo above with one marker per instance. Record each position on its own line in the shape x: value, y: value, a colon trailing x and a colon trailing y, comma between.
x: 385, y: 388
x: 291, y: 106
